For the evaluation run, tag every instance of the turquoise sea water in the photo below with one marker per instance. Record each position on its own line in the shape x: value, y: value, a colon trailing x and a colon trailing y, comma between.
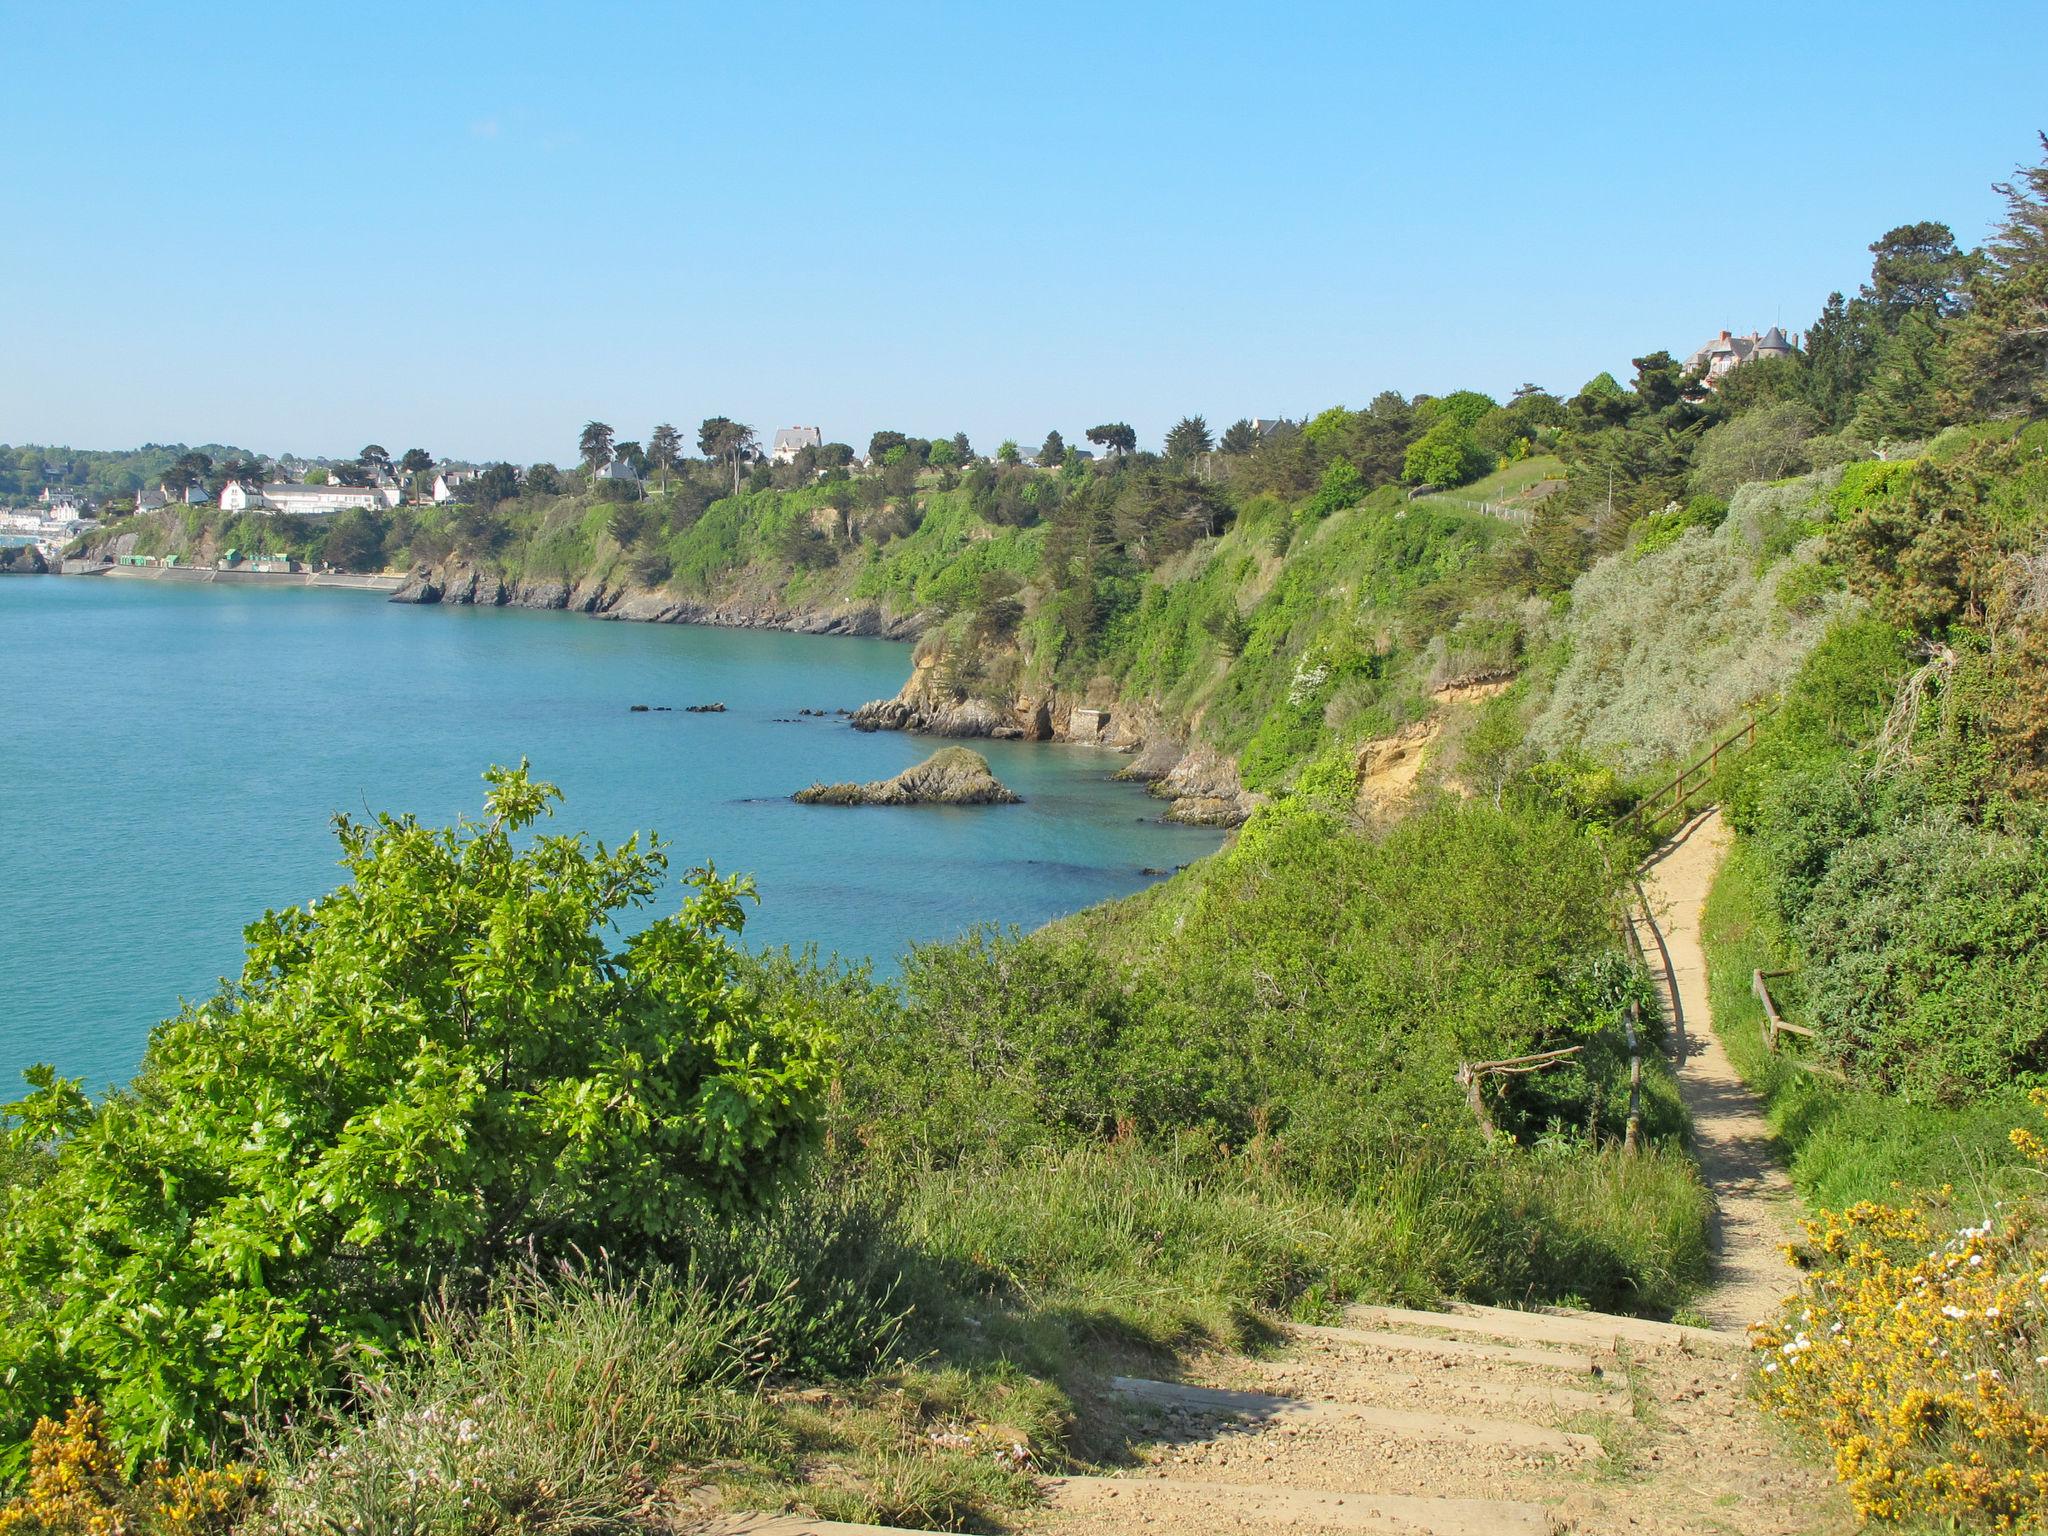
x: 170, y: 756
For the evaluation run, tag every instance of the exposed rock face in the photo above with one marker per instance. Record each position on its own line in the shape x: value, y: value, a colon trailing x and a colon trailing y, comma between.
x: 22, y: 560
x: 960, y: 718
x: 950, y: 776
x: 459, y: 583
x: 1389, y: 767
x: 1205, y: 790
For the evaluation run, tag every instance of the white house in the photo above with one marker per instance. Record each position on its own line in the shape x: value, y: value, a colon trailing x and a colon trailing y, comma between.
x: 618, y: 469
x: 790, y: 441
x: 449, y: 481
x: 66, y: 506
x: 1727, y: 352
x: 299, y: 500
x: 390, y: 493
x: 150, y: 501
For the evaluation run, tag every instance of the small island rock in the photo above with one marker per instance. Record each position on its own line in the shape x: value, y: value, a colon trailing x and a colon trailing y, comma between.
x: 950, y: 776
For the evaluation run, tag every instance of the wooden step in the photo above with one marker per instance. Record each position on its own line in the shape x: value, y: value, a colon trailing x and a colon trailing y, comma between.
x: 1588, y: 1330
x: 740, y: 1524
x: 1461, y: 1350
x: 1636, y: 1330
x: 1460, y: 1429
x: 1442, y: 1384
x: 1329, y: 1509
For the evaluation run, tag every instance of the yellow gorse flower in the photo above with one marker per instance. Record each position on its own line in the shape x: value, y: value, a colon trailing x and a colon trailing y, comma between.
x: 76, y: 1488
x: 1919, y: 1351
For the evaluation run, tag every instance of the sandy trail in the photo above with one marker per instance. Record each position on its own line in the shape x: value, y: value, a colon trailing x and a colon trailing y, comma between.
x: 1756, y: 1208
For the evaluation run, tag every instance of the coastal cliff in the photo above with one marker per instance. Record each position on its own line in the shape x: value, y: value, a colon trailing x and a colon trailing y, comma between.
x: 460, y: 583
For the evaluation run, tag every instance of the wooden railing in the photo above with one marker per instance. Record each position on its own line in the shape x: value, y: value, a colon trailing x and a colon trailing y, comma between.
x: 1776, y: 1024
x: 1472, y: 1076
x: 1670, y: 800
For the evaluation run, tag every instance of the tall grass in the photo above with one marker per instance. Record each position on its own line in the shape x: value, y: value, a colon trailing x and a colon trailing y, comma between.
x: 557, y: 1408
x: 1844, y: 1144
x: 1170, y: 1246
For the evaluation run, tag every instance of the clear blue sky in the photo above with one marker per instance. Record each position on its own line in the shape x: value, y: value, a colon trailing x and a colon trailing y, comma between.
x: 472, y: 227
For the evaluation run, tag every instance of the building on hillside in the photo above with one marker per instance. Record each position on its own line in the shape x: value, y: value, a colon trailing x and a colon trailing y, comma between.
x: 790, y: 441
x: 298, y: 500
x: 1727, y: 352
x: 618, y: 469
x: 151, y: 501
x: 1266, y: 426
x: 450, y: 481
x: 390, y: 493
x: 66, y: 506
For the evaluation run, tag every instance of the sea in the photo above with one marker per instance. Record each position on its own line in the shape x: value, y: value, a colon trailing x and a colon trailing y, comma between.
x: 172, y: 757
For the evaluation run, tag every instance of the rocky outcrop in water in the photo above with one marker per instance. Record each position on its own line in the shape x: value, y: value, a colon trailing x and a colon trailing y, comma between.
x: 950, y: 776
x: 22, y: 560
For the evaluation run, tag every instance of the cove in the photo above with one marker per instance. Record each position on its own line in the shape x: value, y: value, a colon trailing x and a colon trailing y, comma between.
x: 172, y: 756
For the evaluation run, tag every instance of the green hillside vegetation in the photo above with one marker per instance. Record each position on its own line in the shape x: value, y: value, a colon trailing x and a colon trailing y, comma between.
x: 447, y: 1141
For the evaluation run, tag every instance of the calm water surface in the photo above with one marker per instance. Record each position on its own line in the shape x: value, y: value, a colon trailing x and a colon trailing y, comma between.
x: 171, y: 756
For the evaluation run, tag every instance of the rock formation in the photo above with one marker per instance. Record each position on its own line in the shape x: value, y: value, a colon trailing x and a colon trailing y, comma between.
x: 950, y: 776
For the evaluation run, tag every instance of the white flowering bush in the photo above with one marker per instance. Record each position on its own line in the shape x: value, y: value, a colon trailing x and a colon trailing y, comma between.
x: 1664, y: 649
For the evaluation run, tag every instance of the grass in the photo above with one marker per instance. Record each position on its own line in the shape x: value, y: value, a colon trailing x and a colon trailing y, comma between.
x: 1504, y: 483
x: 1843, y: 1144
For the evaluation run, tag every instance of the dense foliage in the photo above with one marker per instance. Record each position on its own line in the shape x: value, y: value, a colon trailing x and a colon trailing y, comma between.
x: 440, y: 1066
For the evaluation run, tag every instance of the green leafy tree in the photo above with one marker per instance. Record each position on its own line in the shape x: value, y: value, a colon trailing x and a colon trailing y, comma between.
x: 1053, y: 451
x: 1908, y: 383
x: 1239, y: 438
x: 1444, y: 456
x: 595, y: 445
x: 375, y: 457
x: 417, y: 461
x: 1464, y: 406
x: 1188, y: 437
x: 881, y: 442
x: 664, y: 448
x: 1838, y: 351
x: 2001, y: 344
x: 942, y: 455
x: 543, y: 480
x: 448, y: 1063
x: 1007, y: 452
x: 1115, y: 437
x: 1915, y: 269
x: 963, y: 448
x: 722, y: 438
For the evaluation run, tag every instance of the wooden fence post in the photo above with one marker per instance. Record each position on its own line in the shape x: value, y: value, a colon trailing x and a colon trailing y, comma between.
x: 1469, y: 1081
x: 1632, y: 1140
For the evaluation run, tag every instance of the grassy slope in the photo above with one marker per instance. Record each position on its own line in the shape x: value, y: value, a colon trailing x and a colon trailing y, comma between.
x: 1503, y: 484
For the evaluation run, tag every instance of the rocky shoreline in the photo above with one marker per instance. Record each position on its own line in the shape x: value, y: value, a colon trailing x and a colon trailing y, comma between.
x: 1200, y: 783
x: 470, y: 586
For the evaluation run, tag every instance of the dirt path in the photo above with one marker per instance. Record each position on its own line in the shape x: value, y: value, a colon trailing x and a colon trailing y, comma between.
x: 1756, y: 1208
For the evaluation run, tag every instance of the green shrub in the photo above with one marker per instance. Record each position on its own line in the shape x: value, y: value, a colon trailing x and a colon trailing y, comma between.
x: 1843, y: 1143
x: 1927, y: 973
x: 440, y: 1065
x: 1445, y: 456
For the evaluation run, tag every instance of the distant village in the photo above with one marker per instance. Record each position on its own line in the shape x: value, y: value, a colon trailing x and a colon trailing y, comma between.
x: 61, y: 513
